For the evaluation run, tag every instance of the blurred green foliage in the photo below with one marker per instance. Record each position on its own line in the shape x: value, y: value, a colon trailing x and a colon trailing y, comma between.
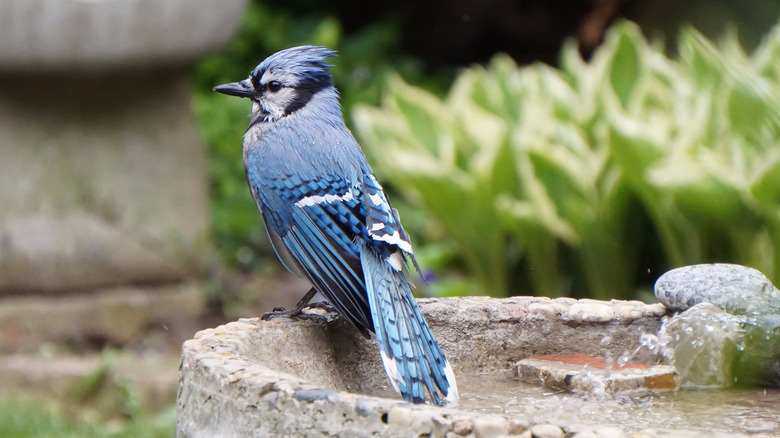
x: 24, y: 418
x: 364, y: 60
x: 101, y: 404
x: 577, y: 180
x: 34, y: 416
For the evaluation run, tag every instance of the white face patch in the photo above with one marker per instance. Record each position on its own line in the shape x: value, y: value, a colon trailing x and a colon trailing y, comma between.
x: 325, y: 199
x: 275, y: 104
x: 290, y: 80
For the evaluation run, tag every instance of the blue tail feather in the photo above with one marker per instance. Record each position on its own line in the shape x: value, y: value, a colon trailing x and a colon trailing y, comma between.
x: 412, y: 358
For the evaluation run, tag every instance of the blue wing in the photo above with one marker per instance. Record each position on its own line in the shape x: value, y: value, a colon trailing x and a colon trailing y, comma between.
x: 315, y: 226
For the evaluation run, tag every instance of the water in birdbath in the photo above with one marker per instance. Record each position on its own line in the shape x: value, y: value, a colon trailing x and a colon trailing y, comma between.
x: 726, y: 411
x: 744, y: 411
x: 704, y: 345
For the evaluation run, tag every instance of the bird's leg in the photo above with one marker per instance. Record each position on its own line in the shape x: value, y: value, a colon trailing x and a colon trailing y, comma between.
x: 281, y: 312
x: 297, y: 311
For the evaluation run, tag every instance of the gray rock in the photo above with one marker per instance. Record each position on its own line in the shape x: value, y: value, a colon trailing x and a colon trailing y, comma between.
x: 714, y: 347
x: 585, y: 434
x: 736, y: 289
x: 311, y: 395
x: 463, y: 427
x: 518, y: 425
x: 609, y: 432
x: 591, y: 431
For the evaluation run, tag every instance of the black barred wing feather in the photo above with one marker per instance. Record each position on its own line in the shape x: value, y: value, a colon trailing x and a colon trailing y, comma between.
x: 319, y: 222
x: 384, y: 224
x: 382, y: 220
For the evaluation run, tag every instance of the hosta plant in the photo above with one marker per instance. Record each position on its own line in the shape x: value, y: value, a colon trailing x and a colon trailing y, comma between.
x: 578, y: 180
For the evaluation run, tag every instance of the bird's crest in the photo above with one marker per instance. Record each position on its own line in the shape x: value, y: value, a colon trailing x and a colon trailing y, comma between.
x: 305, y: 62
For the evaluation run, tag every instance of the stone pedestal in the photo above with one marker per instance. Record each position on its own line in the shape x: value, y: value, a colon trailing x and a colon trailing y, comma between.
x: 103, y: 182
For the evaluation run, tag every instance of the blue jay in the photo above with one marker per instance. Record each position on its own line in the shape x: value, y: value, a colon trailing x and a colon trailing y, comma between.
x: 329, y: 220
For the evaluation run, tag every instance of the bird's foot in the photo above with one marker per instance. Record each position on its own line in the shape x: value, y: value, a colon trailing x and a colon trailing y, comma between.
x: 321, y: 311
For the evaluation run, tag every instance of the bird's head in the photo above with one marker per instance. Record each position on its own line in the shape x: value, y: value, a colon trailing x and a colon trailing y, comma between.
x: 284, y: 82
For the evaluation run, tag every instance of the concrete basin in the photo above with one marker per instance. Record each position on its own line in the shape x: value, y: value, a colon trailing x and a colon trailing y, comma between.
x: 302, y: 378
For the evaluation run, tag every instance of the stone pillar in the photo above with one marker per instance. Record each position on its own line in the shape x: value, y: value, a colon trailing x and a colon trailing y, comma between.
x: 104, y: 214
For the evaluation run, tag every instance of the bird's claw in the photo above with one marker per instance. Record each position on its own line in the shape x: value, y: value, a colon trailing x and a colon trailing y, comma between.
x: 279, y: 312
x: 301, y: 313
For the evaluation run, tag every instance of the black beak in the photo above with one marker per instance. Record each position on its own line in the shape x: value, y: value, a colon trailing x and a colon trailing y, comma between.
x: 240, y: 89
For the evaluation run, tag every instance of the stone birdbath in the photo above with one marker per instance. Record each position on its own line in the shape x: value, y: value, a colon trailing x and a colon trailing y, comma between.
x: 597, y: 363
x: 104, y: 219
x: 302, y: 378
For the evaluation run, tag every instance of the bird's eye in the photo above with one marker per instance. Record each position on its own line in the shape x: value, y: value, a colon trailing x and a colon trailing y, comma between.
x: 274, y: 86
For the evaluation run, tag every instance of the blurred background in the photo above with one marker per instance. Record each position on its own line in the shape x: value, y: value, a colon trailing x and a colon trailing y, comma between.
x: 565, y: 148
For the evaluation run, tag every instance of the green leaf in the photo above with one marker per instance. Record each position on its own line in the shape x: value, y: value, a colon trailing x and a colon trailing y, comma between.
x: 766, y: 185
x: 423, y: 112
x: 751, y: 106
x: 700, y: 191
x: 634, y: 146
x: 701, y: 57
x: 766, y: 58
x: 625, y: 68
